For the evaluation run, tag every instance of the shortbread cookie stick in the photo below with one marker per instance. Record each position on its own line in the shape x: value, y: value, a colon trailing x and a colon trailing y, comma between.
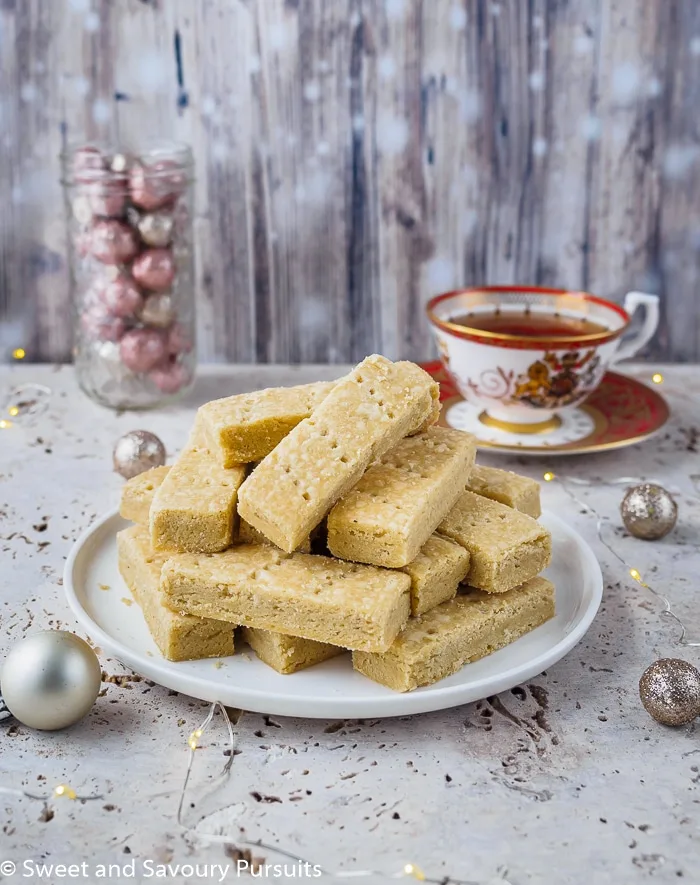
x: 506, y: 547
x: 365, y: 415
x: 519, y: 492
x: 288, y: 654
x: 138, y: 492
x: 465, y: 629
x: 137, y: 497
x: 341, y: 603
x: 248, y: 426
x: 399, y: 502
x: 249, y: 535
x: 179, y: 637
x: 436, y: 573
x: 195, y: 507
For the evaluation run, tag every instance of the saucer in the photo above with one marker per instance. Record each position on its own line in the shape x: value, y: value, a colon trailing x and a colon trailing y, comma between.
x: 619, y: 413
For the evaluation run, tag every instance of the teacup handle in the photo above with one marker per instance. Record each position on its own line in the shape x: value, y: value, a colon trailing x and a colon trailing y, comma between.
x: 633, y: 345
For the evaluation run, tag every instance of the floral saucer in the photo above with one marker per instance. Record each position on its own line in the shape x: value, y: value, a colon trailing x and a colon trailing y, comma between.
x: 619, y: 413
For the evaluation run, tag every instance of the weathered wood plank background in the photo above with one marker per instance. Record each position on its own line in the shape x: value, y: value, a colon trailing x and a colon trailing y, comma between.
x: 356, y: 156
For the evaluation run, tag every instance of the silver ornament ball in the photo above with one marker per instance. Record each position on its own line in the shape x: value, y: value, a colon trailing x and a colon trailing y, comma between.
x: 158, y: 311
x: 136, y: 452
x: 670, y: 691
x: 50, y: 680
x: 648, y: 511
x: 156, y: 228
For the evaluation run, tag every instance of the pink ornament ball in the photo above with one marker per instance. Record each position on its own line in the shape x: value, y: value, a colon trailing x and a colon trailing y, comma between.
x: 100, y: 325
x: 170, y: 378
x: 154, y: 269
x: 121, y: 297
x: 179, y: 340
x: 142, y: 349
x: 156, y: 185
x: 113, y: 242
x: 88, y: 164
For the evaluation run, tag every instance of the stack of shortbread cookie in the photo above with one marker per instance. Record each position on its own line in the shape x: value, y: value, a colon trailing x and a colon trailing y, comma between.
x: 332, y: 517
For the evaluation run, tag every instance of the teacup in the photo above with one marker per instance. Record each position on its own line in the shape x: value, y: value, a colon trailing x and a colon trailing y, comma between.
x: 523, y: 354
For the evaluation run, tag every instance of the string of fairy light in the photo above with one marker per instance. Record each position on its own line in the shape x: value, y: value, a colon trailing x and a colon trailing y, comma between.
x: 14, y: 408
x: 61, y: 791
x: 408, y: 869
x: 25, y: 402
x: 565, y: 483
x: 18, y: 354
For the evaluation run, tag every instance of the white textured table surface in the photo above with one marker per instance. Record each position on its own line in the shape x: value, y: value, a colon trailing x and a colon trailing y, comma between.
x: 565, y: 780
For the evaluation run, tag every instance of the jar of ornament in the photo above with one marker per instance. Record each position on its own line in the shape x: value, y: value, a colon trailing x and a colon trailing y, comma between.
x: 131, y: 255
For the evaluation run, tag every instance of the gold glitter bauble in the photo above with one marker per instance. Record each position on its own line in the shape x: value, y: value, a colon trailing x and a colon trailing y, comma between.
x: 670, y: 691
x: 648, y: 511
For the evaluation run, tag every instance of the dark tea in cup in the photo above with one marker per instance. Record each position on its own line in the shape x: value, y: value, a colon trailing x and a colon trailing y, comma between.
x: 530, y: 324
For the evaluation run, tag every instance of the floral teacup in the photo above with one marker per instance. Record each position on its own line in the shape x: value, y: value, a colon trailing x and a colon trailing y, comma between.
x: 524, y: 353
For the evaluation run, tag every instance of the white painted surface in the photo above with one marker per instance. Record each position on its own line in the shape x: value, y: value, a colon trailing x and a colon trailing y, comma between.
x: 566, y: 780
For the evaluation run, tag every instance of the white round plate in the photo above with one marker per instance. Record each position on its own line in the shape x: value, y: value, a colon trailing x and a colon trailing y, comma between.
x: 100, y: 600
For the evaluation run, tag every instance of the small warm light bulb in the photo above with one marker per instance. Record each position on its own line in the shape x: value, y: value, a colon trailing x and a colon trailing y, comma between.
x: 657, y: 378
x: 193, y: 739
x: 14, y: 411
x: 63, y: 790
x: 548, y: 476
x: 5, y: 424
x: 635, y: 574
x: 19, y: 353
x: 410, y: 869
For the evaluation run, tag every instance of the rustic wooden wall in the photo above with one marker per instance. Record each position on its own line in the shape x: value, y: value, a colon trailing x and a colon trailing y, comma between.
x: 356, y: 156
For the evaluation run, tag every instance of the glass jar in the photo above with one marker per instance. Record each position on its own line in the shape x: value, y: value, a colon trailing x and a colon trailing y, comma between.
x: 130, y: 244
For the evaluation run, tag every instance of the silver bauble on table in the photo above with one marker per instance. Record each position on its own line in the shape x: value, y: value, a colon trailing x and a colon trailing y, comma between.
x: 648, y: 511
x: 50, y: 680
x: 136, y: 452
x: 670, y: 691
